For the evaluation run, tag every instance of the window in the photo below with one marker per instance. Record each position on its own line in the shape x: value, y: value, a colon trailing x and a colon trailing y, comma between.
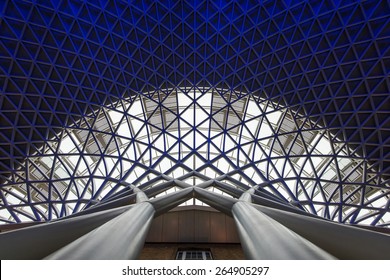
x: 193, y: 255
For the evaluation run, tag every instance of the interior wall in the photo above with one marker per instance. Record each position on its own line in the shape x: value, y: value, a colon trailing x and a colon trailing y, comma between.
x: 167, y: 251
x: 194, y: 224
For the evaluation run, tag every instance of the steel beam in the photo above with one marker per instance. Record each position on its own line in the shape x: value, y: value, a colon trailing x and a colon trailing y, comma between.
x: 217, y: 201
x: 120, y: 238
x: 234, y: 192
x: 106, y: 205
x: 165, y: 203
x: 264, y: 238
x: 342, y: 241
x: 275, y: 204
x: 157, y: 189
x: 36, y: 242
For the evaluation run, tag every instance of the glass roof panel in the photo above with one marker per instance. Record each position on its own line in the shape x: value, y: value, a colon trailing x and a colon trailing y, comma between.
x: 213, y: 132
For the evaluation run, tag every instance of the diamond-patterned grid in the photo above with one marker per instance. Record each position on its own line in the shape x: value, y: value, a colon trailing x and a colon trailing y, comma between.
x: 68, y: 67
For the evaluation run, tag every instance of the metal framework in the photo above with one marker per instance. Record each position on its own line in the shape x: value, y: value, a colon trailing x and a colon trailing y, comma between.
x: 268, y: 111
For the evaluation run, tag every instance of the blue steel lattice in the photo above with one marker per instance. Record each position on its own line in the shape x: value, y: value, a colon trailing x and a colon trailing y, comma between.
x: 321, y: 66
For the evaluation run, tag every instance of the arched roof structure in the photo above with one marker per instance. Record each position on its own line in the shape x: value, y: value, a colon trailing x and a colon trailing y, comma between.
x: 288, y: 99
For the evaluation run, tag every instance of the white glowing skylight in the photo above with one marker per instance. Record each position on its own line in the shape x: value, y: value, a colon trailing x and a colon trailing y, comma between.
x: 211, y: 131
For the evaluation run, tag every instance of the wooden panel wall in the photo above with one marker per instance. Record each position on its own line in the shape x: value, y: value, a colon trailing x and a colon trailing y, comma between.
x: 198, y: 225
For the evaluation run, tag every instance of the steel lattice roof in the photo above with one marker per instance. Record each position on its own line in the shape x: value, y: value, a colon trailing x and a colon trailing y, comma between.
x: 288, y: 97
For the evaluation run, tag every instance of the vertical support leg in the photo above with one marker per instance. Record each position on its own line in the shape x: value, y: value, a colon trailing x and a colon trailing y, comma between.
x: 121, y: 238
x: 342, y: 241
x: 264, y: 238
x: 38, y: 241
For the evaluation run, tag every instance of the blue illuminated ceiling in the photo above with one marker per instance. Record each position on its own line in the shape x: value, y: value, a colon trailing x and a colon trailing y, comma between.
x: 279, y: 78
